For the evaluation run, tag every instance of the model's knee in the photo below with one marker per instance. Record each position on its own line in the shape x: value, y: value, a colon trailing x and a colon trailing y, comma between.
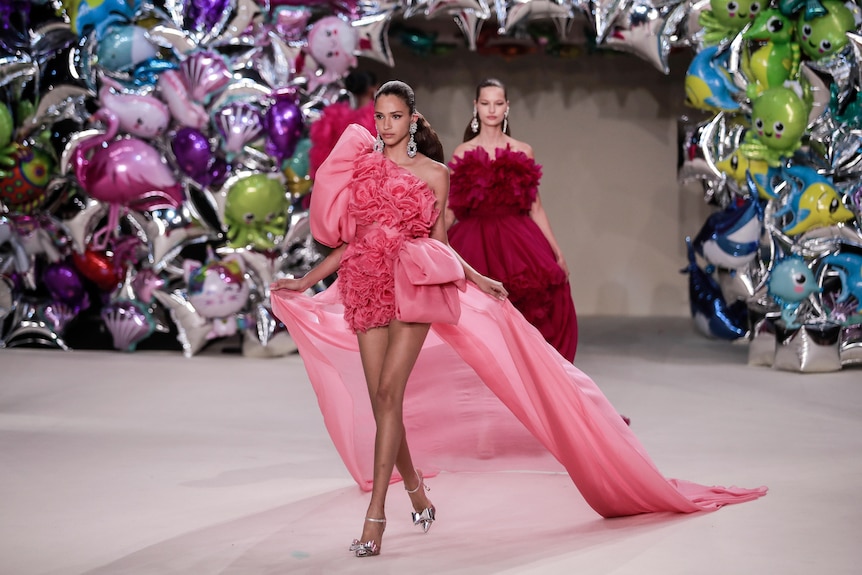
x: 386, y: 399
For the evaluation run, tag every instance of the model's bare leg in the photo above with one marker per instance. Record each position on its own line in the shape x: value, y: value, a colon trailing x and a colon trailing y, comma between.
x: 388, y: 357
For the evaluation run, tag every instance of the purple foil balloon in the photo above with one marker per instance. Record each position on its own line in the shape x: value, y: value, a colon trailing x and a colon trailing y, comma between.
x: 204, y: 14
x: 193, y: 153
x: 65, y: 285
x: 283, y: 122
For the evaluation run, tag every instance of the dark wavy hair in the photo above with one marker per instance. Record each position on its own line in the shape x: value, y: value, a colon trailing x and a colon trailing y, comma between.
x: 486, y: 83
x: 425, y: 137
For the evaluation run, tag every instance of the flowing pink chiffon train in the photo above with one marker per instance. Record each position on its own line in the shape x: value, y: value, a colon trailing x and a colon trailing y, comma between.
x: 486, y: 393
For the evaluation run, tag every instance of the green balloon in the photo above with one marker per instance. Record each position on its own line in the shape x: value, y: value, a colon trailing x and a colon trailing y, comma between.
x: 779, y: 116
x: 7, y: 126
x: 824, y: 36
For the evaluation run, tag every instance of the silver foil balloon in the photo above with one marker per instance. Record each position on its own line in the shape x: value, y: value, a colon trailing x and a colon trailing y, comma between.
x: 372, y: 30
x: 761, y: 348
x: 512, y: 12
x: 470, y: 23
x: 647, y: 31
x: 808, y: 349
x: 851, y: 345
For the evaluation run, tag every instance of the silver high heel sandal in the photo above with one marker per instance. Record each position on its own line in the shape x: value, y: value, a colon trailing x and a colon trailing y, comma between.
x: 369, y: 548
x: 427, y: 516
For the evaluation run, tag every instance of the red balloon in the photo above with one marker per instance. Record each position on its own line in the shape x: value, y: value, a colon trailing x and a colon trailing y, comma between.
x: 99, y: 268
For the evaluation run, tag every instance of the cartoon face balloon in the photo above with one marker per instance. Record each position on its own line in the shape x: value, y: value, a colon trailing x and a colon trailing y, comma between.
x: 726, y: 18
x: 331, y: 42
x: 779, y: 118
x: 791, y: 280
x: 218, y: 288
x: 777, y: 60
x: 256, y: 212
x: 826, y: 35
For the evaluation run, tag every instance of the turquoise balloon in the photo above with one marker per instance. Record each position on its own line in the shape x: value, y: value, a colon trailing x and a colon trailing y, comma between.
x: 299, y: 162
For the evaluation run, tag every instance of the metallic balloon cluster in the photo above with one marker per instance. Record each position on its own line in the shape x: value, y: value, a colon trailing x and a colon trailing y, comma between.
x: 780, y: 155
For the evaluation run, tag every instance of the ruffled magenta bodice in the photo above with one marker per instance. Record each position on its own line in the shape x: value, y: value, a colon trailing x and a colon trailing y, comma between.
x: 483, y: 186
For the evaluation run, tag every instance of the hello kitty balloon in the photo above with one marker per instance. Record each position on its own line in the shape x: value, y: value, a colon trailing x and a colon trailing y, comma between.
x: 331, y: 42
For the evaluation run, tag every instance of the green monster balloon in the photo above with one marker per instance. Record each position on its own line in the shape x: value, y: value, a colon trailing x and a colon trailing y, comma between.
x: 825, y: 36
x: 778, y: 120
x: 256, y: 212
x: 777, y: 60
x: 726, y: 18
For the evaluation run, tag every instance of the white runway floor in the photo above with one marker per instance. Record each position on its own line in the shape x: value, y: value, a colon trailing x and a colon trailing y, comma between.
x: 151, y: 463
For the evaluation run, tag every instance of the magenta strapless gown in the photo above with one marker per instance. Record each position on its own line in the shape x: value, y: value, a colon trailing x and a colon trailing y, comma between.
x: 491, y: 199
x: 486, y: 394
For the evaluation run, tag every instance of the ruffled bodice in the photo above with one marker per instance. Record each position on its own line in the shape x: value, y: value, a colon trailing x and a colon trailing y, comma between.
x: 374, y: 205
x: 480, y: 185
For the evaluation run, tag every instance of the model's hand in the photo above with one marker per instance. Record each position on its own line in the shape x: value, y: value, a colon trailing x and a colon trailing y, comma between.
x: 561, y: 261
x: 289, y: 284
x: 491, y: 287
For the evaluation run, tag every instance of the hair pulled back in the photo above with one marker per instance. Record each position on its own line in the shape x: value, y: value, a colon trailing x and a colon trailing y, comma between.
x: 469, y: 134
x: 425, y: 137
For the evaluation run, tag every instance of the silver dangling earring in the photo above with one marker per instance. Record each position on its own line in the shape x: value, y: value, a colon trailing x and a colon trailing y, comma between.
x: 378, y: 144
x: 506, y: 121
x: 474, y: 123
x: 411, y: 145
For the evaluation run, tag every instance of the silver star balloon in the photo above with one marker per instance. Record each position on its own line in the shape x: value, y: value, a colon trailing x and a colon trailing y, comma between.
x: 372, y: 29
x: 470, y: 22
x: 644, y: 29
x: 511, y: 12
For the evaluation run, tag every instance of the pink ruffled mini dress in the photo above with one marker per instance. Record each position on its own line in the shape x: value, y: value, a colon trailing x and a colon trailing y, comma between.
x: 488, y: 392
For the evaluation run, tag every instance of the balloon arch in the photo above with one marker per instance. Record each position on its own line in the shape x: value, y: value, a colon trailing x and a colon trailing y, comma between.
x: 154, y: 156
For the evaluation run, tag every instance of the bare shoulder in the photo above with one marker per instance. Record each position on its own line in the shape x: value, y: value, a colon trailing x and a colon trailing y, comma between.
x: 433, y: 173
x: 463, y: 148
x: 519, y: 146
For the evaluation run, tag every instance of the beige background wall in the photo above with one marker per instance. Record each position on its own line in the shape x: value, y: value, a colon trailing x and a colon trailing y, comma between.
x: 604, y: 127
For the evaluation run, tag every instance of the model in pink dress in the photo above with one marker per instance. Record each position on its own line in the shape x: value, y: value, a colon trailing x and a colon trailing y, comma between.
x: 500, y: 227
x: 486, y: 390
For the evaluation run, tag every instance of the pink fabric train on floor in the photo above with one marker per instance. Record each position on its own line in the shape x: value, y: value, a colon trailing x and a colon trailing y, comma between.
x: 486, y: 394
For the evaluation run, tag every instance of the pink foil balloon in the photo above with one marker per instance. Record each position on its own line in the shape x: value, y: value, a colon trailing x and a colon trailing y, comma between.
x: 123, y: 173
x: 175, y: 92
x: 142, y: 116
x: 239, y: 123
x: 206, y: 73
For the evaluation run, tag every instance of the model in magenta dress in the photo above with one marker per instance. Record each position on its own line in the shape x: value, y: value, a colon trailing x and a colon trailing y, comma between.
x: 486, y: 393
x: 491, y: 199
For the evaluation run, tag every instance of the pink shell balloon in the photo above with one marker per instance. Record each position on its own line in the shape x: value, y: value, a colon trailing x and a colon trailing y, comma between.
x: 238, y: 123
x: 123, y: 173
x: 206, y: 73
x: 142, y: 116
x: 175, y: 92
x: 129, y: 322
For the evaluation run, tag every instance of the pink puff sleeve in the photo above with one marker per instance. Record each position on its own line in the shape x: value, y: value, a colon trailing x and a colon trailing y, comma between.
x: 331, y: 224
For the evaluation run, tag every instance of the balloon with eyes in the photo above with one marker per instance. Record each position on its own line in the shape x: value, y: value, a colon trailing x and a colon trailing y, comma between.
x: 741, y: 170
x: 218, y: 291
x: 708, y: 84
x: 142, y: 116
x: 813, y: 202
x: 731, y: 238
x: 790, y: 283
x: 125, y: 173
x: 255, y: 212
x: 824, y: 36
x: 331, y: 42
x: 726, y: 18
x: 98, y: 15
x: 779, y: 117
x: 777, y: 59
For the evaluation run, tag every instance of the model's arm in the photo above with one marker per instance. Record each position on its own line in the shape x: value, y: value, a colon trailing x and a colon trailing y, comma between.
x: 538, y: 215
x: 439, y: 182
x: 327, y: 267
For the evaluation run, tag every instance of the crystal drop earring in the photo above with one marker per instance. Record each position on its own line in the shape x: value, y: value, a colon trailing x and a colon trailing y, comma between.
x: 411, y: 145
x: 378, y: 144
x: 506, y: 121
x: 474, y: 123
